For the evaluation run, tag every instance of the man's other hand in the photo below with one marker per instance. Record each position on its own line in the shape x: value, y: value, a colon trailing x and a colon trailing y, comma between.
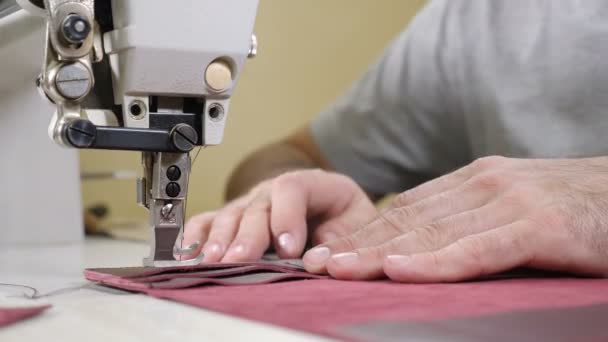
x: 490, y: 216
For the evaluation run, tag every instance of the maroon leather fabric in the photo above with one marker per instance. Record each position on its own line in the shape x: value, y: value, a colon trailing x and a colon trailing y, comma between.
x: 12, y: 315
x: 249, y: 273
x: 324, y: 306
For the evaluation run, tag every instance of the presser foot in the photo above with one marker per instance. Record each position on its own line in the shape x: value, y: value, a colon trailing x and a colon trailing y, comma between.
x: 148, y: 262
x: 178, y: 252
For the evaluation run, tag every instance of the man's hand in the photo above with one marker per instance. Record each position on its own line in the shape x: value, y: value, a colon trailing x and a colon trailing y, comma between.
x: 278, y: 211
x: 488, y: 217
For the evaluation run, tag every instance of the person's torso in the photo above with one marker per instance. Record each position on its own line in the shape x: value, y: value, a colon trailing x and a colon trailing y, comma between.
x: 531, y: 76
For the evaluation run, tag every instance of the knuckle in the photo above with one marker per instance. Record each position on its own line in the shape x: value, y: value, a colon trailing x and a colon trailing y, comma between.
x: 474, y: 248
x: 403, y: 214
x: 403, y: 199
x: 429, y: 236
x: 517, y: 242
x: 380, y: 251
x: 259, y: 204
x: 261, y: 185
x: 349, y: 243
x: 345, y: 180
x: 489, y: 163
x: 317, y: 172
x: 492, y: 181
x: 394, y: 218
x: 436, y: 260
x: 363, y: 237
x: 227, y: 217
x: 290, y: 179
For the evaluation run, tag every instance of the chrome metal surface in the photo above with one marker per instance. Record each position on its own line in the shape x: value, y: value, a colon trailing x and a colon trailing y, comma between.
x: 8, y: 7
x: 167, y: 213
x: 73, y: 80
x: 57, y: 11
x: 253, y: 50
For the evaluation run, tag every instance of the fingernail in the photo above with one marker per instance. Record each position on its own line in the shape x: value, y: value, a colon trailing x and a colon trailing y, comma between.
x: 346, y: 259
x: 329, y: 236
x: 287, y: 243
x: 213, y: 252
x: 317, y: 256
x: 398, y: 260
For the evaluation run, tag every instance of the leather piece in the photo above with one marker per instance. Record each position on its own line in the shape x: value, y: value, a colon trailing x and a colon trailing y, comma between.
x: 243, y: 279
x: 326, y: 306
x: 198, y: 274
x: 246, y: 273
x: 138, y: 272
x: 9, y: 316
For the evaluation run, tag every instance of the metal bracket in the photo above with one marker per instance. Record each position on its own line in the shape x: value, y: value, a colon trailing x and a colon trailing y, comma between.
x: 58, y: 10
x: 164, y: 194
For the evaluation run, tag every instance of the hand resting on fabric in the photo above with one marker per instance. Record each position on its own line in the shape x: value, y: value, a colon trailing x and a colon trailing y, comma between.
x: 279, y: 212
x: 490, y: 216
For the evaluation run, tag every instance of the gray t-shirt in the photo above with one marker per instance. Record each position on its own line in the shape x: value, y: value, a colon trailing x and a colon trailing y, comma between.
x: 471, y: 78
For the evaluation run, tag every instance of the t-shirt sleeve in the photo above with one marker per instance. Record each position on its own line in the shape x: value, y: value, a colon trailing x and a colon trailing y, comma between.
x: 397, y: 127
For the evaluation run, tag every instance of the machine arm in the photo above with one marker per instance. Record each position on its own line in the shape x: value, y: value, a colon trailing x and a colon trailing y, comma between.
x: 148, y: 76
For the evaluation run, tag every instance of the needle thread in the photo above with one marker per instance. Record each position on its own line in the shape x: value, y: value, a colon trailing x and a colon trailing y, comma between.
x: 29, y: 292
x: 181, y: 243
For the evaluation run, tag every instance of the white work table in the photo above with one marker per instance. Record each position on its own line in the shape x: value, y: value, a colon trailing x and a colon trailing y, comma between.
x: 84, y: 312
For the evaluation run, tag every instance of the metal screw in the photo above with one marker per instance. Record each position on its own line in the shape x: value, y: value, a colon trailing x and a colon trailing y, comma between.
x: 81, y: 133
x: 172, y: 189
x: 73, y: 80
x: 75, y: 29
x: 173, y: 173
x: 167, y: 210
x: 184, y: 137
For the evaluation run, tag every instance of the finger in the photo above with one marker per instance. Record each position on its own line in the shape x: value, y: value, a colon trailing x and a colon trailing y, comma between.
x: 288, y: 222
x: 440, y: 233
x: 398, y: 221
x: 297, y: 196
x: 197, y: 230
x: 223, y: 231
x: 366, y: 263
x: 489, y: 252
x: 253, y: 235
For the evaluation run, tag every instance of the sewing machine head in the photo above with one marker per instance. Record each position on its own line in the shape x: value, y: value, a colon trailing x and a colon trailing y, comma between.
x: 149, y: 76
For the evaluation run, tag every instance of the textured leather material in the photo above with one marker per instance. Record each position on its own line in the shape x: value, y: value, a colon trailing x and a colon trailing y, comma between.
x: 246, y: 273
x: 12, y: 315
x: 332, y: 308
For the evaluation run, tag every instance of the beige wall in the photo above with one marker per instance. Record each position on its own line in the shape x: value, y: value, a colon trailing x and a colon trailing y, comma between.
x: 310, y: 51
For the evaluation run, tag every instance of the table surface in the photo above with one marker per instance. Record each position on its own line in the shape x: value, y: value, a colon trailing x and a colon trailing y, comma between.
x: 85, y: 312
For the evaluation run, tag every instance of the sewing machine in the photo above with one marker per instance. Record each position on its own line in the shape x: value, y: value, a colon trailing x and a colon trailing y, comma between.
x: 149, y: 76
